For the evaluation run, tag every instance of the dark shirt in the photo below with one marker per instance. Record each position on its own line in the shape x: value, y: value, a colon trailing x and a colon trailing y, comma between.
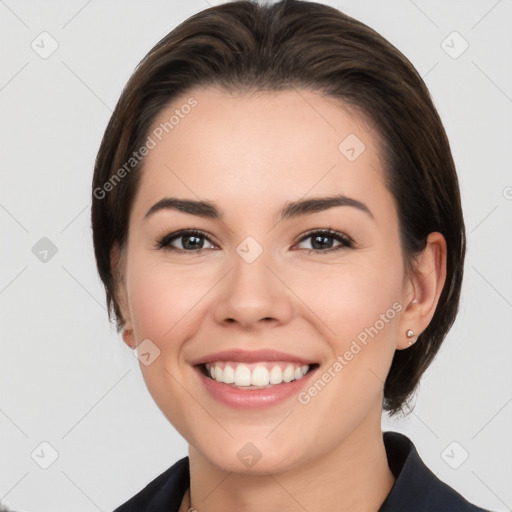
x: 416, y: 488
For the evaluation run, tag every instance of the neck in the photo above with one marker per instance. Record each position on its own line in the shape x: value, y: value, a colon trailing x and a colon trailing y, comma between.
x: 354, y: 476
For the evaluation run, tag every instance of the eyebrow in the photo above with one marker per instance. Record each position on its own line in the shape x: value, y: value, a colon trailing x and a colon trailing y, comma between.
x: 291, y: 209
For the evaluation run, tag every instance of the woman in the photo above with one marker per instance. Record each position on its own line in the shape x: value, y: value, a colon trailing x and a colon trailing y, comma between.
x: 277, y: 222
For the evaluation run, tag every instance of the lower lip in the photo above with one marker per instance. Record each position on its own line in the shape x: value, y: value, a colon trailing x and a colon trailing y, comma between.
x: 254, y: 398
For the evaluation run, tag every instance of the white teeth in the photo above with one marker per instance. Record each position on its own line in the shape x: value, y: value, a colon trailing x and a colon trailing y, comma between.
x: 242, y: 375
x: 229, y: 375
x: 289, y: 373
x: 276, y: 375
x: 261, y: 375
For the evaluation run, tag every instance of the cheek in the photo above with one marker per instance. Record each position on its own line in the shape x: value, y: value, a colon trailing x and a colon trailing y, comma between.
x: 350, y: 298
x: 164, y: 300
x: 362, y: 307
x: 165, y: 306
x: 359, y: 309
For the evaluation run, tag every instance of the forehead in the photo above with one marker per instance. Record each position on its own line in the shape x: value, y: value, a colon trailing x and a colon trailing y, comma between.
x: 241, y: 148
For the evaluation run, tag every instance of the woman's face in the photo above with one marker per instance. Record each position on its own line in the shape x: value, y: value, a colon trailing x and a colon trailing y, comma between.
x: 259, y: 292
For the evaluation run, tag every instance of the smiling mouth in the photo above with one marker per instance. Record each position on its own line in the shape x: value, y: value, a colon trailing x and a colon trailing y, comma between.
x: 259, y: 375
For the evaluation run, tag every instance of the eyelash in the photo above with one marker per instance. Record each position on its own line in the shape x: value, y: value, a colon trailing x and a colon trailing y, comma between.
x: 346, y: 241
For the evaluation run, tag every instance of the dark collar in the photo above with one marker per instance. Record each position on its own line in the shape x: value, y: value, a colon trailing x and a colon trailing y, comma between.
x: 416, y: 488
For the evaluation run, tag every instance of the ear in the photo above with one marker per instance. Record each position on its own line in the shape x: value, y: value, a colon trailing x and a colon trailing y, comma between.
x: 118, y: 266
x: 422, y: 290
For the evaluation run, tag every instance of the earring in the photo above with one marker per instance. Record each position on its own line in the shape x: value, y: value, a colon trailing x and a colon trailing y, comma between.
x: 410, y: 334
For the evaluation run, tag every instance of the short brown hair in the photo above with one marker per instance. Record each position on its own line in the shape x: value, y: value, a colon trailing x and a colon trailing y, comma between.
x: 242, y: 45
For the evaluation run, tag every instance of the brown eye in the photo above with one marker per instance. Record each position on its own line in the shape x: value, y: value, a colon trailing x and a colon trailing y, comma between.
x: 185, y: 241
x: 326, y: 241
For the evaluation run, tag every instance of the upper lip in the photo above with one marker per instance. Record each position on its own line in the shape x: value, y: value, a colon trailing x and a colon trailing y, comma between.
x: 250, y: 356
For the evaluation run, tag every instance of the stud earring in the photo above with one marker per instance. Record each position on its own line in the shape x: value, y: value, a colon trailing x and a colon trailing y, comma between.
x: 410, y: 334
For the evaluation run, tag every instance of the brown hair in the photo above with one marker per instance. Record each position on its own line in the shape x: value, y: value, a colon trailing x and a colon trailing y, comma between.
x: 242, y: 46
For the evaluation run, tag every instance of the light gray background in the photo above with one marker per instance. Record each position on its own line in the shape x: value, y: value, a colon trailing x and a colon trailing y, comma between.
x: 69, y: 380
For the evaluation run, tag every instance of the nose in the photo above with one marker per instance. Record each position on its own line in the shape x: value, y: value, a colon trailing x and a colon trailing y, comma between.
x: 252, y: 295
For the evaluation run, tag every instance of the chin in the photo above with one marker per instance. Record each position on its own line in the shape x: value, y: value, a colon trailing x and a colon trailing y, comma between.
x: 251, y: 455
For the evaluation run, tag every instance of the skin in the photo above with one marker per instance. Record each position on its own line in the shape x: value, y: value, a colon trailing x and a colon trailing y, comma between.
x: 250, y: 154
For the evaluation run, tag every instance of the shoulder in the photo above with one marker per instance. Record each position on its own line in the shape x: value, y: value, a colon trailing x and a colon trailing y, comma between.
x: 164, y: 493
x: 416, y: 487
